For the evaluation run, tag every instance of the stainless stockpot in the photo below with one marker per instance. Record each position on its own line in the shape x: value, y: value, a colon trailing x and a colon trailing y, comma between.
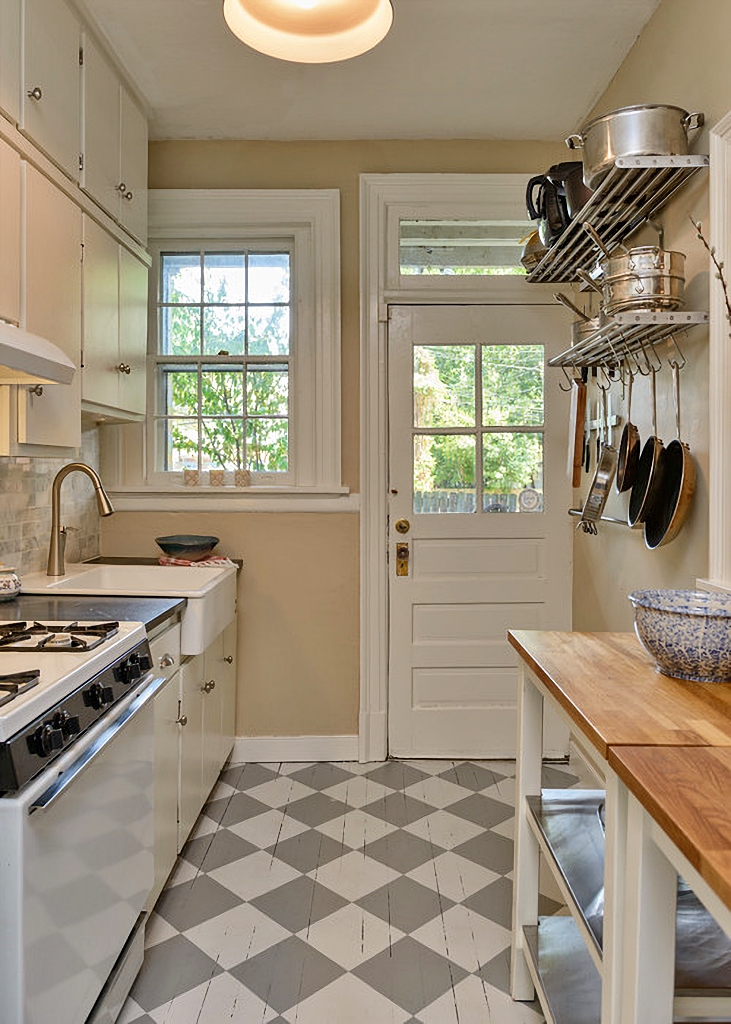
x: 648, y: 129
x: 645, y: 277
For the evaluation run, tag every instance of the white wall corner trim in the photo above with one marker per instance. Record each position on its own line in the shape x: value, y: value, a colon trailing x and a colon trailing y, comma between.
x: 295, y: 748
x: 719, y: 568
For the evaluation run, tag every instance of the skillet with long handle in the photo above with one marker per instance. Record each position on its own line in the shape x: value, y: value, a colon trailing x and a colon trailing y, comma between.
x: 629, y: 447
x: 648, y: 480
x: 664, y: 521
x: 606, y: 466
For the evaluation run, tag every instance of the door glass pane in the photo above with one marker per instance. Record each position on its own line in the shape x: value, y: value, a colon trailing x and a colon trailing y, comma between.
x: 444, y: 473
x: 512, y: 385
x: 481, y: 247
x: 512, y: 472
x: 444, y: 385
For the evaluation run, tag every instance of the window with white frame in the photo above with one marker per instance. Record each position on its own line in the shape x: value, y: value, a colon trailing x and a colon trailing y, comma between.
x: 244, y: 354
x: 223, y: 372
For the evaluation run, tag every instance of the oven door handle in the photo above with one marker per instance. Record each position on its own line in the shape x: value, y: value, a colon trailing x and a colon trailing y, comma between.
x: 78, y: 767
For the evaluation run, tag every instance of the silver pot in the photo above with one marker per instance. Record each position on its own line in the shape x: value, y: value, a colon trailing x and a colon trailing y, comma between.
x: 649, y: 129
x: 644, y: 277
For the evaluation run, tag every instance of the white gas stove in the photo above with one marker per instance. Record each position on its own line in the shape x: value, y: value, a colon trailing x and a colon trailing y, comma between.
x: 76, y: 814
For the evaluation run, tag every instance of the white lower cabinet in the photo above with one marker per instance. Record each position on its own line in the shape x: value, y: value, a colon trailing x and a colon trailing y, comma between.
x: 206, y: 715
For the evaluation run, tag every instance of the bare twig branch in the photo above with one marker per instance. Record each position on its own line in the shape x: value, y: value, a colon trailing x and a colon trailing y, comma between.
x: 716, y: 263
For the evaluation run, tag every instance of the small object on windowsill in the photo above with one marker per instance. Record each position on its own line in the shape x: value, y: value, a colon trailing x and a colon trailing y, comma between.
x: 242, y: 478
x: 191, y: 477
x: 215, y: 477
x: 214, y: 560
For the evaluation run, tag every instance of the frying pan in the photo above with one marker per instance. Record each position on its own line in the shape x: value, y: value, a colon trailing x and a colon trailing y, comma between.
x: 648, y: 481
x: 665, y: 519
x: 629, y: 448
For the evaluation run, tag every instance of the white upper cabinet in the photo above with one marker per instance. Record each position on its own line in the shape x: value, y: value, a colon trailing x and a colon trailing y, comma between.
x: 10, y: 59
x: 10, y: 210
x: 114, y: 144
x: 51, y: 81
x: 115, y: 326
x: 52, y: 309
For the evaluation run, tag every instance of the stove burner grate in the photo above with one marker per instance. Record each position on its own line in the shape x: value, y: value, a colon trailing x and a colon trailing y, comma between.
x: 13, y: 684
x: 55, y: 636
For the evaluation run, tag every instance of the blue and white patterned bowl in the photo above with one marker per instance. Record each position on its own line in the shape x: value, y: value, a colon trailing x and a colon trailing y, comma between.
x: 687, y: 632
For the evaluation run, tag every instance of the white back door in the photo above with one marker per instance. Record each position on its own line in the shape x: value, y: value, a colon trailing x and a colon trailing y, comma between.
x: 479, y: 536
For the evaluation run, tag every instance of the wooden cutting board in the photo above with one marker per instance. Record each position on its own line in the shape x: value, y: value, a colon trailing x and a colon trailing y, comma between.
x: 576, y: 432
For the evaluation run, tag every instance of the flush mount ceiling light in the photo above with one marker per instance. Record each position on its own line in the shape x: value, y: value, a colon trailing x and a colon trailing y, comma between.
x: 309, y: 31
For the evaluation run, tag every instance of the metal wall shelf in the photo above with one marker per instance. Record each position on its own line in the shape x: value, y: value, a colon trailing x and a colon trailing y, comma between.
x: 627, y: 333
x: 633, y: 191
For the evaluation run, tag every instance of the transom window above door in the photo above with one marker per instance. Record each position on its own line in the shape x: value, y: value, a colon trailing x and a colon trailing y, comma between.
x: 478, y: 428
x: 462, y: 247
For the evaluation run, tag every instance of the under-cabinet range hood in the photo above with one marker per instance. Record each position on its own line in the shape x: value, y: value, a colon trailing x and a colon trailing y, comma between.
x: 26, y: 358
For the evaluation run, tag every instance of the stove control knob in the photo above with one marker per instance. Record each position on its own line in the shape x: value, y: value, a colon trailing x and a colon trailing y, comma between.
x: 94, y: 697
x: 68, y: 724
x: 129, y: 670
x: 47, y: 739
x: 145, y: 662
x: 107, y: 694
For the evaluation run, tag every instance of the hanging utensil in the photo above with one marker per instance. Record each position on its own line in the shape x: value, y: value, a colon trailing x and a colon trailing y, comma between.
x: 582, y: 328
x: 577, y: 416
x: 596, y: 499
x: 629, y: 447
x: 666, y: 518
x: 648, y: 479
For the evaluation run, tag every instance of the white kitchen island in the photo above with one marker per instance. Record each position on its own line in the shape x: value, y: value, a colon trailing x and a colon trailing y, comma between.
x: 604, y: 962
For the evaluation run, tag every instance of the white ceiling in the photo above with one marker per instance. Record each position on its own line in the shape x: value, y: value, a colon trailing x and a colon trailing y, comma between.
x: 487, y: 69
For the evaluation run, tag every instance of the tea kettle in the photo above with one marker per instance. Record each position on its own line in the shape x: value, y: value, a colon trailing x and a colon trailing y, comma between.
x: 547, y: 206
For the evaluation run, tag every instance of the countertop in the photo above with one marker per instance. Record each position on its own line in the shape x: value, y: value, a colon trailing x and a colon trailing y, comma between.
x: 150, y: 610
x: 609, y: 687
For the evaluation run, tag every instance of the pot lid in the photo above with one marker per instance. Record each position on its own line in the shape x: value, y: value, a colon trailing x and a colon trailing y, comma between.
x: 27, y: 358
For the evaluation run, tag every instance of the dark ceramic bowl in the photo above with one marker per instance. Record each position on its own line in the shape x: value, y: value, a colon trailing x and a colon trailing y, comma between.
x: 187, y: 545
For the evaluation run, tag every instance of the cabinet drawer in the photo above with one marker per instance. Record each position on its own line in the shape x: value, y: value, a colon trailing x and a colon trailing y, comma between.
x: 165, y: 650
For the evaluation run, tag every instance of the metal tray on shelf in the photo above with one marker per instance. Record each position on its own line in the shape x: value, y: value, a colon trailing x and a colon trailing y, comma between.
x: 633, y: 191
x: 570, y: 831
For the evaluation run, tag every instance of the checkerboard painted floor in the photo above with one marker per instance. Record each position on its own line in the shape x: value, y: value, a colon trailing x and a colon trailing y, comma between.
x: 341, y: 894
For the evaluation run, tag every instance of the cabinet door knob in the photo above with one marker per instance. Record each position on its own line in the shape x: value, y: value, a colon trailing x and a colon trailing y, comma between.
x: 228, y: 659
x: 183, y: 720
x: 128, y: 196
x: 121, y: 187
x: 210, y: 685
x: 35, y: 94
x: 167, y: 661
x: 124, y: 368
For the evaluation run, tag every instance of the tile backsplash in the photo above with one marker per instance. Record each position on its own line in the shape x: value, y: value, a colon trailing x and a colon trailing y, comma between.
x: 25, y: 508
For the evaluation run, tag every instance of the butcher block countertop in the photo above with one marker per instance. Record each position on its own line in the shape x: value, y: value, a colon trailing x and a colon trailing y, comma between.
x: 685, y: 790
x: 608, y: 686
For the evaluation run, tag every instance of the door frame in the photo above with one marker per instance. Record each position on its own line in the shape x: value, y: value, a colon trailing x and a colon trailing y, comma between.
x: 384, y: 199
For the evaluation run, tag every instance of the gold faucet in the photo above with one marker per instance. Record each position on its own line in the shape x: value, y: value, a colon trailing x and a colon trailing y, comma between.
x: 58, y: 533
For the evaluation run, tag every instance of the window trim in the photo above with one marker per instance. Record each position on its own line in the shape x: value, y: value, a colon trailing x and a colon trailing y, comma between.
x: 297, y: 360
x: 226, y: 216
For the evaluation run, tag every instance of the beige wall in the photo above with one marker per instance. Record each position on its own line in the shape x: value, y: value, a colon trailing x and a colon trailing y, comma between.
x: 680, y: 58
x: 299, y: 591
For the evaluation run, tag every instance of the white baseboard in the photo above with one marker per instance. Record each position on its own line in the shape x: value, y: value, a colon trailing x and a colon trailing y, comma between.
x: 295, y: 748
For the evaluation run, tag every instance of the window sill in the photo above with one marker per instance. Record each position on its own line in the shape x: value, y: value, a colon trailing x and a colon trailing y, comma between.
x: 176, y: 498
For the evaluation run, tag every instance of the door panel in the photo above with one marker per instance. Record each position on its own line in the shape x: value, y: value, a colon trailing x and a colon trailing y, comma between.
x: 479, y: 489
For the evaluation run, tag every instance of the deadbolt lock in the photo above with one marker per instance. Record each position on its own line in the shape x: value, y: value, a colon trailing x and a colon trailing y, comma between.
x: 402, y: 525
x: 402, y: 559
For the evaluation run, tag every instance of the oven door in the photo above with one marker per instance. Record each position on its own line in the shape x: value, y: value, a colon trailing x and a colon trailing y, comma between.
x: 86, y: 838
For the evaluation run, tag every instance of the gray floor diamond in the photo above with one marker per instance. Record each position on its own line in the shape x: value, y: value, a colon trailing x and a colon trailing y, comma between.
x: 316, y: 907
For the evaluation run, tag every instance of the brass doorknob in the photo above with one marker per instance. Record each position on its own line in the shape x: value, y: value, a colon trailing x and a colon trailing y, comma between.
x: 402, y: 526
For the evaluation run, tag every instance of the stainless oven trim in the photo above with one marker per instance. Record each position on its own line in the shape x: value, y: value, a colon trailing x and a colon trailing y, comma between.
x: 79, y: 766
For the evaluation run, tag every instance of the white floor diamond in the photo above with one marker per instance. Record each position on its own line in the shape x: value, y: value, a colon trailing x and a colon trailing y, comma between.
x: 351, y: 936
